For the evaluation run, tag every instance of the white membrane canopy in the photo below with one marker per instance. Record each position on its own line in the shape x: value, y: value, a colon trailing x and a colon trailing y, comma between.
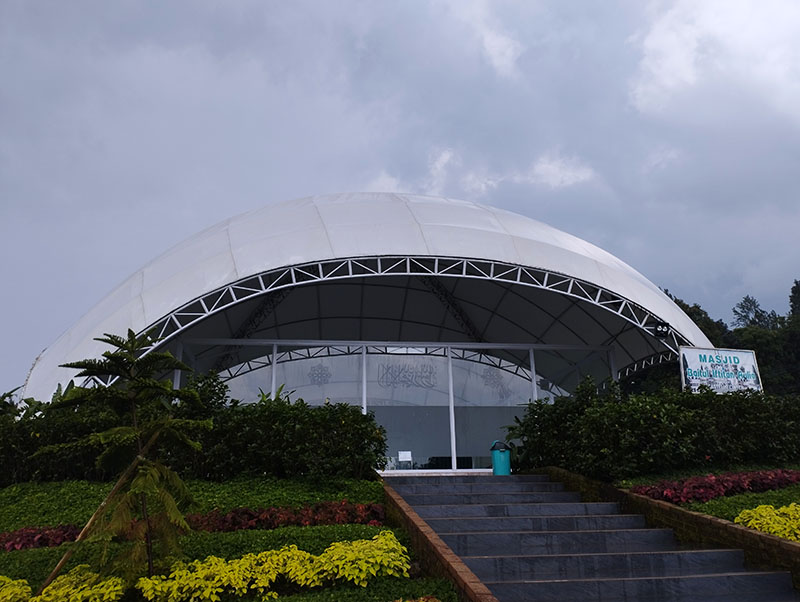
x: 379, y: 267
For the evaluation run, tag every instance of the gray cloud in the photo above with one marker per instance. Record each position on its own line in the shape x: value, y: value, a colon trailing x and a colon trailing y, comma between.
x: 668, y: 134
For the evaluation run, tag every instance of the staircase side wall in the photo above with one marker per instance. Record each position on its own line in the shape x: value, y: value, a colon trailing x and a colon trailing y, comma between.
x: 435, y: 557
x: 761, y: 550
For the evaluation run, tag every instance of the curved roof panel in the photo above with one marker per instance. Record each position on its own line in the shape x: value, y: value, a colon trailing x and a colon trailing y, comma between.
x: 336, y: 226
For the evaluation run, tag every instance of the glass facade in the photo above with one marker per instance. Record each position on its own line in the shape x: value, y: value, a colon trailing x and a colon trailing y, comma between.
x: 442, y: 405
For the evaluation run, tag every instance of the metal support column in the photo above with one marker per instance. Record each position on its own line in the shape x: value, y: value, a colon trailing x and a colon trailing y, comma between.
x: 453, y: 461
x: 274, y: 387
x: 534, y: 386
x: 612, y: 365
x: 176, y: 375
x: 364, y: 379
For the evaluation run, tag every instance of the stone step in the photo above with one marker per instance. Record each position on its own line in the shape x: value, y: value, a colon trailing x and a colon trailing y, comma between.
x: 739, y: 587
x: 605, y: 565
x: 541, y: 509
x: 510, y: 487
x: 559, y: 542
x: 598, y: 522
x: 465, y: 478
x: 528, y: 497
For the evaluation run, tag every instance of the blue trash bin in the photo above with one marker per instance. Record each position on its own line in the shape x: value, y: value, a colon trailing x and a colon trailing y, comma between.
x: 501, y: 459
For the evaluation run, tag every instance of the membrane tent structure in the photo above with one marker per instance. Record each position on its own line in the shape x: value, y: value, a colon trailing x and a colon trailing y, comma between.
x: 443, y: 317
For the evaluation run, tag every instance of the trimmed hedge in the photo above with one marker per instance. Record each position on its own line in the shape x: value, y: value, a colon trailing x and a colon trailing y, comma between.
x: 269, y: 438
x: 285, y: 439
x: 611, y: 436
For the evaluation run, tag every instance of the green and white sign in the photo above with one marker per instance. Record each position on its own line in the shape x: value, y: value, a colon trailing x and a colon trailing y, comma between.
x: 722, y: 370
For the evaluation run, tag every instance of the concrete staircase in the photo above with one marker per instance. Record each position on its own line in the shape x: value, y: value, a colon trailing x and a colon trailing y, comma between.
x: 528, y: 540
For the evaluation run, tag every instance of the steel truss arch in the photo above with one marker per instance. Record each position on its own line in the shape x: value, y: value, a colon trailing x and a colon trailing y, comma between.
x: 306, y: 353
x: 189, y: 314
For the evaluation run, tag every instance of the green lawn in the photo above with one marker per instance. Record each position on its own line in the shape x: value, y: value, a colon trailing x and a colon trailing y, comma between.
x: 73, y: 502
x: 729, y: 507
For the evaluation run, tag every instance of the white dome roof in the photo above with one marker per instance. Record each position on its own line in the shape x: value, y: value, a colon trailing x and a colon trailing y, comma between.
x: 342, y: 226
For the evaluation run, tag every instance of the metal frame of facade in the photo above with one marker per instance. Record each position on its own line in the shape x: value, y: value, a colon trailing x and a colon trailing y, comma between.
x: 181, y: 319
x: 305, y: 350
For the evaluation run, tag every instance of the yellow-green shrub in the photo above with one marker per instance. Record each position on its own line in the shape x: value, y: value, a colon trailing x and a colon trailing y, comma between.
x: 14, y: 591
x: 782, y: 522
x: 359, y: 560
x: 207, y: 580
x: 79, y: 585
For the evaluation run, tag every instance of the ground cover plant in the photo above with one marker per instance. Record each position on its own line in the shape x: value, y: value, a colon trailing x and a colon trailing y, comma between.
x: 730, y: 507
x: 61, y: 500
x: 263, y: 574
x: 707, y: 487
x: 322, y: 513
x: 767, y: 499
x: 35, y: 564
x: 72, y: 502
x: 782, y: 522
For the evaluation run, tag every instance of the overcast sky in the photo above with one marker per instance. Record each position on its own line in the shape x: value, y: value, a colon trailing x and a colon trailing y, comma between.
x: 667, y: 133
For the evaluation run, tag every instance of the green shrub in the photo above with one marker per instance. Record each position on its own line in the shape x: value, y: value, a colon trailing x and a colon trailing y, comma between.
x: 614, y: 436
x: 378, y: 561
x: 22, y: 437
x: 260, y: 574
x: 782, y: 522
x: 12, y: 590
x: 35, y: 564
x: 276, y: 438
x: 234, y: 544
x: 281, y: 438
x: 82, y: 585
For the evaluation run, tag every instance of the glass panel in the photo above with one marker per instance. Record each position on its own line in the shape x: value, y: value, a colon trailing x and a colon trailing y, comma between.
x: 560, y: 372
x: 408, y: 393
x: 320, y: 377
x: 308, y: 374
x: 490, y: 388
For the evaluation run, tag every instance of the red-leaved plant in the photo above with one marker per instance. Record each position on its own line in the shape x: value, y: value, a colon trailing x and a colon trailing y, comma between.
x: 38, y: 537
x: 705, y: 488
x: 323, y: 513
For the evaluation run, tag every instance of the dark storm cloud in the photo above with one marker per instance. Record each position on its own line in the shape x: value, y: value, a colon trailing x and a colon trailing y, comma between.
x: 666, y: 133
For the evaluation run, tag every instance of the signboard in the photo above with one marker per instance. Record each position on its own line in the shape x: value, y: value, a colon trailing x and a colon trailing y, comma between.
x: 721, y: 370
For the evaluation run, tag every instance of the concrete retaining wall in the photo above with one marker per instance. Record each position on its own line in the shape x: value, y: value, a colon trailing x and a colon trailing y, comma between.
x: 761, y: 550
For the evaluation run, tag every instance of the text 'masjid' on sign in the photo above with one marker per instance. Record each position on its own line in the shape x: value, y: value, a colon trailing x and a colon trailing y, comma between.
x: 721, y: 370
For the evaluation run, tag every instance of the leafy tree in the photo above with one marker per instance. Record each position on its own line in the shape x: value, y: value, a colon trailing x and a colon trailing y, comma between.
x: 794, y: 299
x: 716, y: 330
x: 748, y: 312
x: 149, y: 499
x: 7, y: 405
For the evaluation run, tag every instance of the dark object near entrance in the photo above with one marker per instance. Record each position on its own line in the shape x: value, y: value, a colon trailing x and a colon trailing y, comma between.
x: 501, y: 458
